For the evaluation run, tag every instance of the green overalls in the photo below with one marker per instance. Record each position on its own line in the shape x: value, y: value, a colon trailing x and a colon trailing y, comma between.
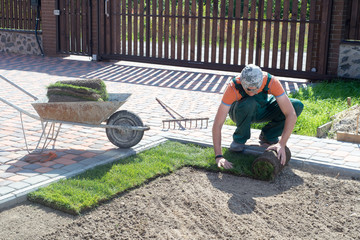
x: 259, y: 108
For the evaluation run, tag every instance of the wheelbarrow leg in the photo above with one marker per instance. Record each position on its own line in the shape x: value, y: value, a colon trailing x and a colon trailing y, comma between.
x: 50, y: 135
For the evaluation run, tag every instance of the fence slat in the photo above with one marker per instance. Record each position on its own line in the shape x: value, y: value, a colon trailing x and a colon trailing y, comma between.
x: 160, y: 30
x: 229, y: 32
x: 301, y: 35
x: 29, y: 16
x: 118, y: 27
x: 192, y: 31
x: 284, y: 34
x: 123, y: 27
x: 186, y: 30
x: 244, y: 38
x: 294, y: 14
x: 310, y: 53
x: 252, y: 32
x: 2, y: 14
x: 154, y: 31
x: 11, y: 23
x: 78, y: 25
x: 129, y: 25
x: 102, y: 33
x: 179, y: 30
x: 6, y: 16
x: 214, y: 32
x: 21, y: 19
x: 68, y: 26
x: 148, y: 26
x: 173, y: 24
x: 207, y: 31
x: 84, y: 26
x: 200, y: 32
x: 16, y: 15
x: 62, y: 27
x: 259, y: 32
x: 108, y: 48
x: 276, y: 34
x: 222, y: 31
x: 136, y: 31
x: 166, y: 29
x: 324, y: 36
x: 141, y: 31
x: 268, y: 33
x: 237, y: 33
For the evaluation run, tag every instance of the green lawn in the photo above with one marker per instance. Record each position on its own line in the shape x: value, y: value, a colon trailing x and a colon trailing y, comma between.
x: 89, y: 189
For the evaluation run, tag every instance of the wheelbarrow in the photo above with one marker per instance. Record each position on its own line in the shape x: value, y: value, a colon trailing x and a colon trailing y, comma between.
x: 123, y: 128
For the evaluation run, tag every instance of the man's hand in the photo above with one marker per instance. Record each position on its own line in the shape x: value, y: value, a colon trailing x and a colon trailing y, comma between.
x: 222, y: 162
x: 280, y: 152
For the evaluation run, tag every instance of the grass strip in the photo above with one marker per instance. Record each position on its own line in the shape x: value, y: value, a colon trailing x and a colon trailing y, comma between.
x: 89, y: 189
x: 321, y: 102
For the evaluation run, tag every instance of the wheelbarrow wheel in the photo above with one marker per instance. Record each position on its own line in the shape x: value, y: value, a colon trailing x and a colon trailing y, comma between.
x: 124, y: 138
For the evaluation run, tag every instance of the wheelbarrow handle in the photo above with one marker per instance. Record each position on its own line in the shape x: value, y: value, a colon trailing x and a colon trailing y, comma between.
x: 19, y: 109
x: 18, y: 87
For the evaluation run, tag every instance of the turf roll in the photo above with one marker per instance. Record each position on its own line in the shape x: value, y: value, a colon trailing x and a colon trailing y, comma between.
x: 267, y: 166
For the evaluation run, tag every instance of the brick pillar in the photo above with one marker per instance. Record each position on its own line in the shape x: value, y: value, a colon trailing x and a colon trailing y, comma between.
x: 48, y: 20
x: 337, y: 33
x: 94, y: 40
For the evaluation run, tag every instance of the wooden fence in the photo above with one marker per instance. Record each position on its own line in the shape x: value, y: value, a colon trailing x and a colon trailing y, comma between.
x: 218, y: 32
x: 74, y: 27
x: 17, y: 15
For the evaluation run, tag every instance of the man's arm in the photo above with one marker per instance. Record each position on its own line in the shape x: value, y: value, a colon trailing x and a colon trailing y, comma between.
x: 216, y: 134
x: 290, y: 120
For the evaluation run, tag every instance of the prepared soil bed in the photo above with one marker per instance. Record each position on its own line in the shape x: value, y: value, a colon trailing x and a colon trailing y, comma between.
x: 306, y: 203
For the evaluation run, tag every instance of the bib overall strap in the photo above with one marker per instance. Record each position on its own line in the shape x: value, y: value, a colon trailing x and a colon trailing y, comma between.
x: 266, y: 88
x: 240, y: 88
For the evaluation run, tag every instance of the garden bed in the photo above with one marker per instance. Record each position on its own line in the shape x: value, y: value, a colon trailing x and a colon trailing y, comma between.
x: 302, y: 203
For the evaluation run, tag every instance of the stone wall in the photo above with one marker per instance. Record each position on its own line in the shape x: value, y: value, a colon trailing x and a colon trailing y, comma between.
x: 349, y: 59
x: 20, y: 42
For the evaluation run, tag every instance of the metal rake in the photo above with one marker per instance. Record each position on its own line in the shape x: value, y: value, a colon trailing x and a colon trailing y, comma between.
x: 181, y: 121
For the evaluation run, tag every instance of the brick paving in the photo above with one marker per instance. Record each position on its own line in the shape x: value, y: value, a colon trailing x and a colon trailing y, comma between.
x: 193, y: 93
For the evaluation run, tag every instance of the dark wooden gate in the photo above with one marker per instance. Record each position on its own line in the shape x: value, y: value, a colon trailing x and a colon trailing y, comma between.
x: 288, y: 38
x: 352, y: 27
x: 74, y: 27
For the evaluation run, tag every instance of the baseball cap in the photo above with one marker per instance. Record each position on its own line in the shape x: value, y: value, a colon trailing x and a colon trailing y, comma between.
x: 251, y: 76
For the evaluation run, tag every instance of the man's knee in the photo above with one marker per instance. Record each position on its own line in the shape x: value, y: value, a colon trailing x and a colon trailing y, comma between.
x: 298, y: 106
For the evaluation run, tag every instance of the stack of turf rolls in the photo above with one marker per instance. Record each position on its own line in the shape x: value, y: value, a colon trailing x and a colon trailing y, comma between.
x: 77, y: 90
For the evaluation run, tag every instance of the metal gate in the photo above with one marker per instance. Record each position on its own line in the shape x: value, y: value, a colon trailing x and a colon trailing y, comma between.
x: 74, y: 27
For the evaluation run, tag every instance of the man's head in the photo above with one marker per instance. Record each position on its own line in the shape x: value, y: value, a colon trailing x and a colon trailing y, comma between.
x: 251, y: 77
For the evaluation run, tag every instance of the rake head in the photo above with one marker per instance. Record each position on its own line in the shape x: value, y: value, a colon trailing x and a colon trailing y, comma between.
x: 183, y: 123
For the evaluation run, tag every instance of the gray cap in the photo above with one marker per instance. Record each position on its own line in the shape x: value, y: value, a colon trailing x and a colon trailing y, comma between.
x: 251, y: 76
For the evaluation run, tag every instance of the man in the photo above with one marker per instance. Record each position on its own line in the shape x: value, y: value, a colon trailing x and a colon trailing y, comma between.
x: 256, y: 96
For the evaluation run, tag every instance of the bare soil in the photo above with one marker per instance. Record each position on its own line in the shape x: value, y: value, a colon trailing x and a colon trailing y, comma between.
x: 302, y: 203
